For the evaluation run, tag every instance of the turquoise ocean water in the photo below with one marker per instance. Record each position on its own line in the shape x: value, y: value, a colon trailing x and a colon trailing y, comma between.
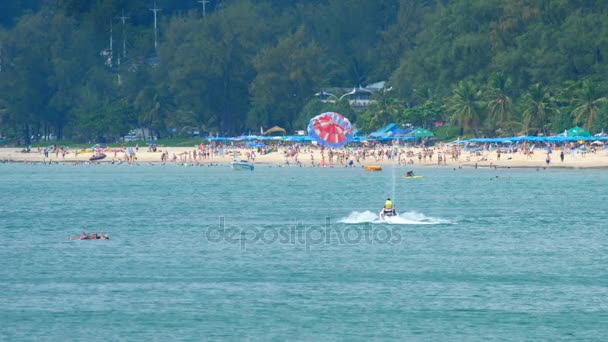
x: 298, y: 254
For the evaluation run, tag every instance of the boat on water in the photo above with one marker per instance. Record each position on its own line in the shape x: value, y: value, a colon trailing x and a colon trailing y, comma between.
x: 412, y: 176
x: 97, y: 156
x: 242, y: 165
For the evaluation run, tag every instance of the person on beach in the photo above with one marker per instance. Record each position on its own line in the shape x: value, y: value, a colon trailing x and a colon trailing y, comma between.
x: 548, y: 159
x: 561, y: 156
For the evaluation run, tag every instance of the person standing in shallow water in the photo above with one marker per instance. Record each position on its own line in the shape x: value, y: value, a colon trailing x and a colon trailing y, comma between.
x: 561, y: 156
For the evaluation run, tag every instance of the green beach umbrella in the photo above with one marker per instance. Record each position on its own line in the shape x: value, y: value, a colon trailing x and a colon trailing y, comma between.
x: 578, y: 132
x: 422, y: 133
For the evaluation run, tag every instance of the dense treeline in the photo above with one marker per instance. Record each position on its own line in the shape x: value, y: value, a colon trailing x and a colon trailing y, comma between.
x: 492, y: 67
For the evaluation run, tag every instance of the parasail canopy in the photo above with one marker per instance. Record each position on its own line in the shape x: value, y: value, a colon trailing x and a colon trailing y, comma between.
x: 330, y: 129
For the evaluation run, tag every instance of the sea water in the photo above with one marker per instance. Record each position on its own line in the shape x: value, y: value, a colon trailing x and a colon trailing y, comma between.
x: 299, y: 254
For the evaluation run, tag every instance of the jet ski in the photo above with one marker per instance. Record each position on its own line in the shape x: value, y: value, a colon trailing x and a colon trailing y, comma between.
x: 387, y: 214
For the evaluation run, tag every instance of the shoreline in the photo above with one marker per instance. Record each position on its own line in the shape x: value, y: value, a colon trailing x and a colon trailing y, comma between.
x: 210, y: 164
x: 306, y: 158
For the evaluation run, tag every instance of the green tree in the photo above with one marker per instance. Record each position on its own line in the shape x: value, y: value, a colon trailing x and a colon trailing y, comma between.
x: 399, y: 37
x: 538, y: 108
x: 588, y: 102
x: 499, y: 104
x: 382, y: 110
x: 423, y: 115
x: 154, y: 107
x: 209, y: 63
x: 24, y: 80
x: 287, y: 75
x: 464, y: 104
x: 348, y: 31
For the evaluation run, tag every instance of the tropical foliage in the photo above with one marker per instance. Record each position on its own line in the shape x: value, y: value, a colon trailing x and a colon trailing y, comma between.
x: 487, y: 67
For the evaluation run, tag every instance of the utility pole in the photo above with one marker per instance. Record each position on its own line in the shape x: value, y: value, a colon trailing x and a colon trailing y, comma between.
x: 111, y: 38
x: 109, y: 61
x: 204, y: 2
x: 155, y: 10
x: 124, y: 36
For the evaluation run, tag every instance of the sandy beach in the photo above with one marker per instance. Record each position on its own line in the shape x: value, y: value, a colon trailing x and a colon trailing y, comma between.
x: 308, y: 156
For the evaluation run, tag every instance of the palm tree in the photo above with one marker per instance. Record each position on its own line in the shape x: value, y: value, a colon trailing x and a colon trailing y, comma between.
x: 538, y: 105
x: 153, y: 108
x: 383, y: 110
x: 387, y: 106
x: 588, y: 103
x: 500, y: 103
x: 464, y: 105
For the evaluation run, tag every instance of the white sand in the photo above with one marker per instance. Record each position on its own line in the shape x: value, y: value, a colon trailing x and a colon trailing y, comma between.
x: 482, y: 159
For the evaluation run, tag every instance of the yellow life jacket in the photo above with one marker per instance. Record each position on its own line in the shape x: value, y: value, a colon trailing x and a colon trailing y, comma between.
x: 388, y: 205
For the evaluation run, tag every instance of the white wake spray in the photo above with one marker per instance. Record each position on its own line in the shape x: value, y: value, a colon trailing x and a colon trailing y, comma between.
x: 411, y: 217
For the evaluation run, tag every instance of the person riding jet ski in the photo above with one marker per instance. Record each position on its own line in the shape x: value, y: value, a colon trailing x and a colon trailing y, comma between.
x: 389, y: 208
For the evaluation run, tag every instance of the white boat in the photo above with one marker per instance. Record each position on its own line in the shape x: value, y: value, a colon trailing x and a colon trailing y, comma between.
x: 242, y: 165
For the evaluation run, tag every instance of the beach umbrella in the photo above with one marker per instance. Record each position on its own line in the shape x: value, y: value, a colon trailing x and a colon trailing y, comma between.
x: 422, y: 133
x: 578, y: 132
x: 247, y: 138
x: 330, y: 129
x: 276, y: 130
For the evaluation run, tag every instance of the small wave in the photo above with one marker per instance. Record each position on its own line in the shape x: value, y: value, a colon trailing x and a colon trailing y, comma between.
x: 410, y: 217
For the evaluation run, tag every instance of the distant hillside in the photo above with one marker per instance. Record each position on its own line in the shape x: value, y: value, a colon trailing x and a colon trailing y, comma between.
x: 492, y: 67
